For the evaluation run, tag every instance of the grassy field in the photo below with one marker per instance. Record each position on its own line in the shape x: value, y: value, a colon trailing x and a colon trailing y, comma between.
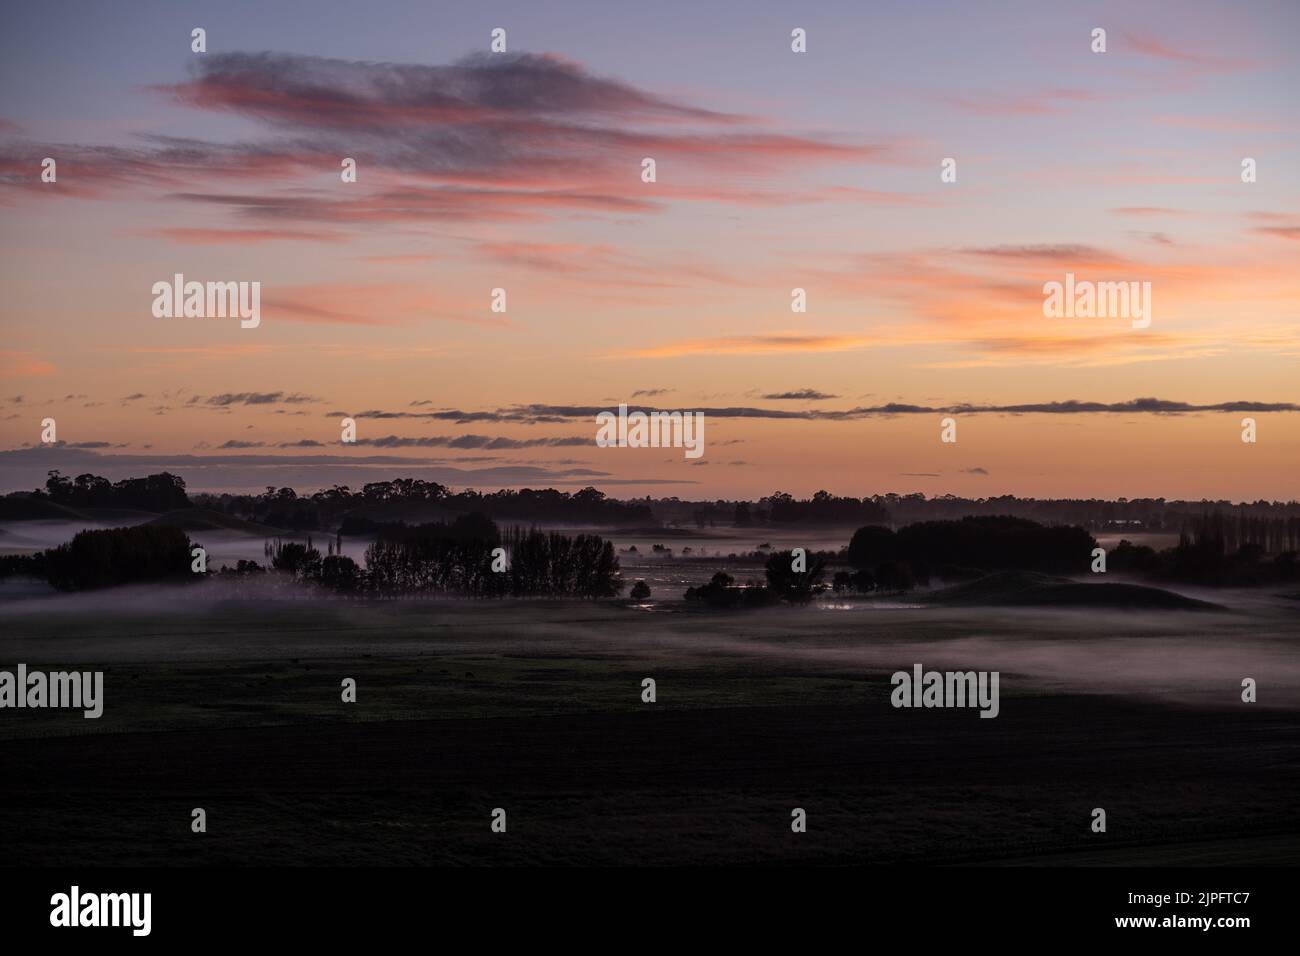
x: 536, y: 707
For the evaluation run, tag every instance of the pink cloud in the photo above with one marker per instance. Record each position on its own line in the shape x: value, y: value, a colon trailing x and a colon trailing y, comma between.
x: 1203, y: 62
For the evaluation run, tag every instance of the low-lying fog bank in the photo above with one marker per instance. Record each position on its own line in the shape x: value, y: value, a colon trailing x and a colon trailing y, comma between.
x: 1192, y: 657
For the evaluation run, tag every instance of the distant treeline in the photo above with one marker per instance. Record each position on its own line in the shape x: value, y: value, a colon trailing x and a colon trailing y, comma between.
x: 895, y: 510
x: 821, y: 508
x: 1215, y: 551
x: 785, y: 580
x: 1236, y: 530
x: 107, y: 558
x: 1275, y: 525
x: 796, y: 582
x: 985, y: 543
x: 437, y: 558
x: 458, y: 559
x: 1093, y: 514
x: 161, y: 492
x: 1220, y: 552
x: 284, y: 508
x: 461, y: 557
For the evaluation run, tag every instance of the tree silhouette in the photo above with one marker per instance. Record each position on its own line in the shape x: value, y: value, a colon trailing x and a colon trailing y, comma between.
x: 791, y: 585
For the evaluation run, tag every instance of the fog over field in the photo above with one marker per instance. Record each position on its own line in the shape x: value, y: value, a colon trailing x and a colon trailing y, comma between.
x: 26, y: 537
x: 1191, y: 657
x: 1121, y: 689
x: 234, y: 703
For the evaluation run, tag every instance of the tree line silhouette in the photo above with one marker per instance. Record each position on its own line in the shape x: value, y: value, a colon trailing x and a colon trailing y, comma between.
x: 459, y: 557
x: 1219, y: 551
x: 979, y: 543
x: 108, y: 557
x: 362, y: 511
x: 900, y: 510
x: 1238, y: 545
x: 161, y: 492
x: 1275, y: 525
x: 782, y: 582
x: 435, y: 558
x: 822, y: 508
x: 1237, y: 530
x: 462, y: 558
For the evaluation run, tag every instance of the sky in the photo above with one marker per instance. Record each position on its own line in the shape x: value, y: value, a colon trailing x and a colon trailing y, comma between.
x: 775, y: 170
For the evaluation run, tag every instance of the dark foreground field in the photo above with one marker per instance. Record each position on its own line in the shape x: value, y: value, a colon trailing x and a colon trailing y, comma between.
x: 536, y: 709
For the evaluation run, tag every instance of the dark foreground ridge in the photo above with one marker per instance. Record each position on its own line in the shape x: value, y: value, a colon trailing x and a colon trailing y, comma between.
x: 686, y: 787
